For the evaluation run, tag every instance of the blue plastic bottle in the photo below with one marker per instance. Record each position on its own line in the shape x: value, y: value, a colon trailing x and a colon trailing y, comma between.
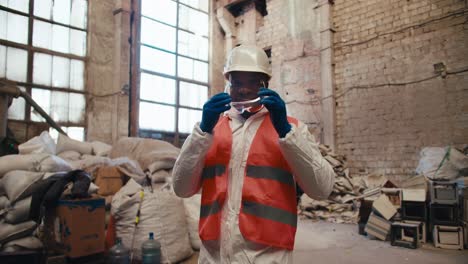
x: 151, y: 251
x: 118, y: 254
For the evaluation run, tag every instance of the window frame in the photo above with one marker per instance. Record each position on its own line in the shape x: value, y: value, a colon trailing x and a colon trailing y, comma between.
x: 32, y: 50
x: 176, y: 137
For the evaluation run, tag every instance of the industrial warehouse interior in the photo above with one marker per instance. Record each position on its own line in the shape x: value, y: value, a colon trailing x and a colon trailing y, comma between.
x: 234, y: 131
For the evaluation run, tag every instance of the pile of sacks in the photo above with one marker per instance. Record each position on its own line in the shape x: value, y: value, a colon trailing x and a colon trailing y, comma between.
x: 38, y: 159
x: 173, y: 220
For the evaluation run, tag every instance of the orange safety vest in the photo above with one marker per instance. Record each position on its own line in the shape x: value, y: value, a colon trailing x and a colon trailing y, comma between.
x: 268, y: 213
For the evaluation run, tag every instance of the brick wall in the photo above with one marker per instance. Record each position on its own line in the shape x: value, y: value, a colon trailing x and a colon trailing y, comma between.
x: 382, y: 128
x: 291, y: 30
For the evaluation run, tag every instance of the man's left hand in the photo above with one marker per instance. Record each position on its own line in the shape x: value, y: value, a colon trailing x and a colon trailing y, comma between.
x: 277, y: 108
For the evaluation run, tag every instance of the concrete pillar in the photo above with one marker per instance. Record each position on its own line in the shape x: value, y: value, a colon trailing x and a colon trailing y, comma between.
x: 326, y: 74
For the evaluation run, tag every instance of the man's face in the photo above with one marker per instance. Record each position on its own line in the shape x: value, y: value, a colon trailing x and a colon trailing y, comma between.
x: 245, y: 85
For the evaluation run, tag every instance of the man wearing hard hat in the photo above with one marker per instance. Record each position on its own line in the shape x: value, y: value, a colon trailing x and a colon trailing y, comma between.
x: 247, y: 163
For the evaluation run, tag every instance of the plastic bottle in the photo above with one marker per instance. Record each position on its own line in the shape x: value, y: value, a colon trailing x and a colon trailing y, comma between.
x: 118, y: 254
x: 151, y: 251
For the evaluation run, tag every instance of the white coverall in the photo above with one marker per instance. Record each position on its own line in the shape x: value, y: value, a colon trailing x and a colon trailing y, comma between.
x: 312, y: 172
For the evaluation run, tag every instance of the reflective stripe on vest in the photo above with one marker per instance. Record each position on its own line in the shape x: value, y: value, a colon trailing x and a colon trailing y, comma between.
x: 268, y: 210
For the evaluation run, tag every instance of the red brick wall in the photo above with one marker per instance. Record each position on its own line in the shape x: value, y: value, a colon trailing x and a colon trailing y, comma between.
x: 382, y: 128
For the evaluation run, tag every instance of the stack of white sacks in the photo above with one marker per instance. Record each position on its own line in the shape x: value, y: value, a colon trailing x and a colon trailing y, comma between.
x: 39, y: 159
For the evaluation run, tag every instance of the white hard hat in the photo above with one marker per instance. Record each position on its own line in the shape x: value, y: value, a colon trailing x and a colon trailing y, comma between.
x: 247, y: 58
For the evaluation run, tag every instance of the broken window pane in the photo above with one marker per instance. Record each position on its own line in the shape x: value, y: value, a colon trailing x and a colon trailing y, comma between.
x: 42, y: 34
x: 192, y: 20
x: 60, y: 72
x: 3, y: 50
x: 15, y: 26
x: 198, y: 4
x: 79, y: 11
x: 42, y: 98
x: 187, y: 119
x: 76, y: 109
x: 192, y: 69
x: 158, y: 35
x: 42, y: 69
x: 77, y: 75
x: 77, y: 42
x: 17, y: 108
x: 157, y: 61
x: 161, y: 10
x: 16, y: 66
x: 157, y: 117
x: 43, y: 8
x: 60, y: 38
x: 192, y: 45
x: 59, y: 106
x: 157, y: 89
x: 61, y: 11
x: 20, y: 5
x: 193, y: 95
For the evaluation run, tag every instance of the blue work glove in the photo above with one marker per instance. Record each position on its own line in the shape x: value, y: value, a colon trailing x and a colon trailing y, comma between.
x: 212, y: 109
x: 277, y: 108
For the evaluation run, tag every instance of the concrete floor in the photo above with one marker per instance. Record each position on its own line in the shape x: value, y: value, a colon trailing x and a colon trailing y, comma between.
x: 327, y: 243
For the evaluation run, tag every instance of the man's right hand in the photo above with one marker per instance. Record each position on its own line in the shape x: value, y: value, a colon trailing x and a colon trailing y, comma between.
x: 212, y: 109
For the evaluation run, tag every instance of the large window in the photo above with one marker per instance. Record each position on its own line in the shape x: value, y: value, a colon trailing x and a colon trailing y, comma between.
x: 43, y: 49
x: 173, y: 67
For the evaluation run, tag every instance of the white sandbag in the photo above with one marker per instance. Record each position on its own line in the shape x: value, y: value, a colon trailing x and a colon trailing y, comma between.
x: 2, y: 189
x: 159, y: 176
x: 54, y: 164
x: 101, y: 148
x: 17, y: 182
x: 9, y: 232
x: 40, y: 144
x: 430, y: 158
x: 19, y: 211
x: 65, y: 143
x: 192, y: 214
x: 25, y: 243
x: 130, y: 168
x: 93, y: 188
x: 89, y: 163
x: 161, y: 213
x: 4, y: 202
x: 70, y: 155
x: 29, y: 162
x: 441, y: 163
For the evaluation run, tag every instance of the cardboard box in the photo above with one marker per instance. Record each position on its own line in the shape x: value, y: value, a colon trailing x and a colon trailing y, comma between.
x: 378, y: 227
x: 109, y: 179
x: 448, y: 237
x: 79, y: 226
x: 384, y: 207
x: 394, y: 195
x: 413, y: 205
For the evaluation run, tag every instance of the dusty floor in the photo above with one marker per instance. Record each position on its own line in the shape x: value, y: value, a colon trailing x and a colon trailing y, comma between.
x: 326, y: 243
